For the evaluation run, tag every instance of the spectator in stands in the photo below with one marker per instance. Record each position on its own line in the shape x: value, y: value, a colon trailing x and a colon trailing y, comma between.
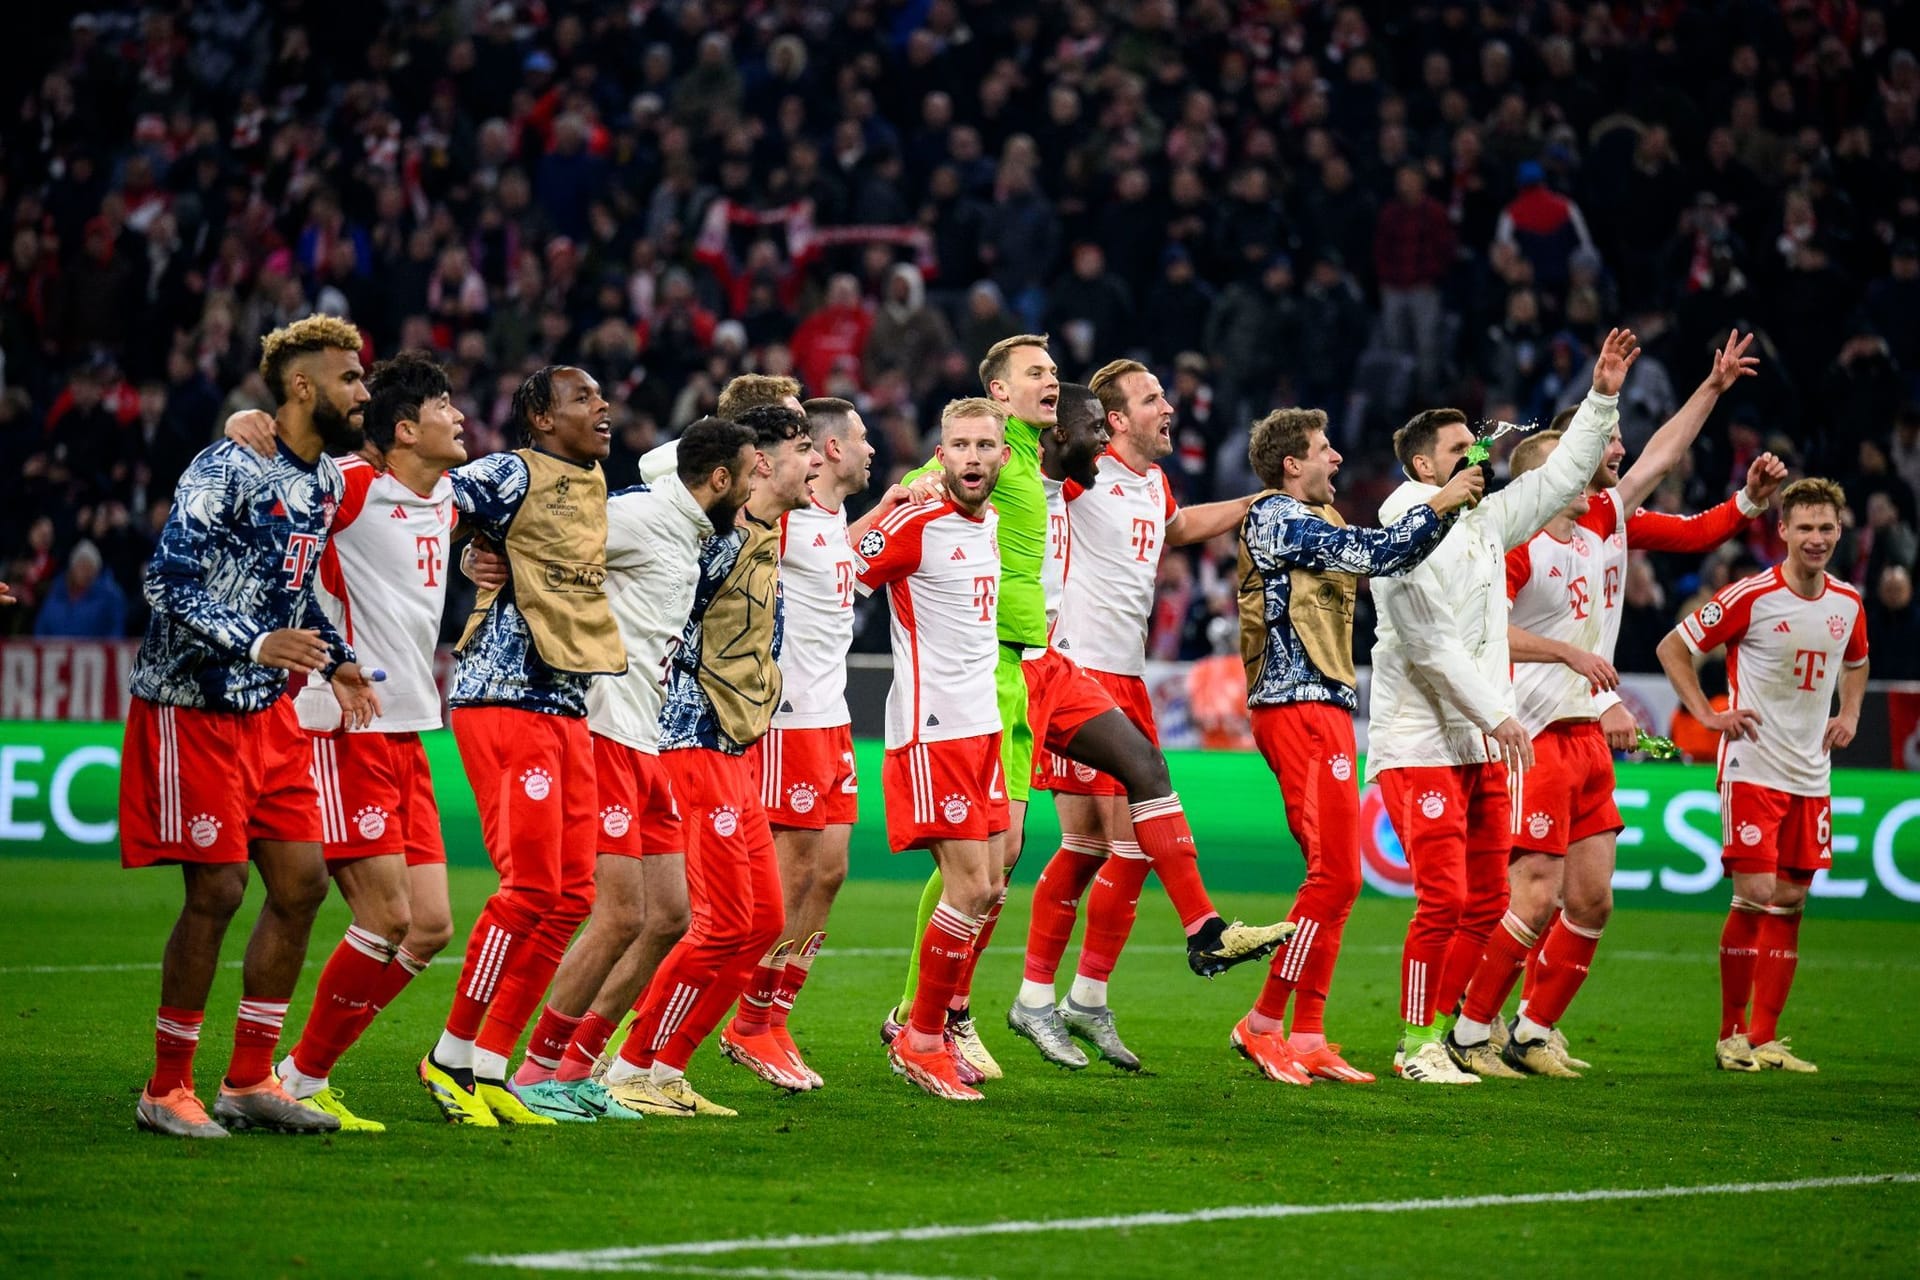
x: 1413, y: 253
x: 1254, y: 336
x: 908, y: 336
x: 1545, y: 226
x: 834, y: 338
x: 1090, y: 312
x: 1893, y: 625
x: 83, y: 602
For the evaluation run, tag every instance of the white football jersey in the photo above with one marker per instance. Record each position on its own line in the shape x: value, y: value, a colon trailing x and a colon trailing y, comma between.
x: 941, y: 569
x: 653, y: 564
x: 383, y: 581
x: 1119, y: 531
x: 1053, y: 569
x: 1555, y: 590
x: 1784, y: 657
x: 817, y: 587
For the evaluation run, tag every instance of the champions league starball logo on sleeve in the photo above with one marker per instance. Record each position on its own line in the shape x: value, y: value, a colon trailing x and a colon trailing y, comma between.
x: 1383, y: 863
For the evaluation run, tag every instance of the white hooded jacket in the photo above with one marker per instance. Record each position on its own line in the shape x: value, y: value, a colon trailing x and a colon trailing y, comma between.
x: 1442, y: 676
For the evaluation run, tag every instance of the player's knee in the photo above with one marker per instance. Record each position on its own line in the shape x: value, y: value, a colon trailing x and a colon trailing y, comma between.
x: 428, y: 934
x: 1591, y: 910
x: 1144, y: 773
x: 1443, y: 908
x: 537, y: 902
x: 666, y: 922
x: 390, y: 920
x: 829, y: 877
x: 300, y: 894
x: 217, y: 891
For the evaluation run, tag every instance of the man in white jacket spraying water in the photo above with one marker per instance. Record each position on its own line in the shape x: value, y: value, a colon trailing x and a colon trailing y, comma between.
x: 1441, y: 725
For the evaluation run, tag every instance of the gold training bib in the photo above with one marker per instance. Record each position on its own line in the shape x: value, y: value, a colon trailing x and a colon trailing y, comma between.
x: 557, y: 548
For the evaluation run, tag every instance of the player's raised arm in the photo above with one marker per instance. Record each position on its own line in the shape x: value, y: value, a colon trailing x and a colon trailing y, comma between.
x: 1524, y: 507
x: 1675, y: 437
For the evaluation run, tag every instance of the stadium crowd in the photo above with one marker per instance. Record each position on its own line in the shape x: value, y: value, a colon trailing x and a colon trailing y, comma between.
x: 1366, y: 208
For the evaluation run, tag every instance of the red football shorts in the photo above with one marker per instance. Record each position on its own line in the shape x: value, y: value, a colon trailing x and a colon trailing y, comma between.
x: 807, y: 779
x: 1129, y: 693
x: 948, y: 790
x: 376, y: 797
x: 1763, y: 830
x: 200, y: 786
x: 1061, y: 697
x: 638, y: 815
x: 719, y: 799
x: 532, y: 780
x: 1568, y: 793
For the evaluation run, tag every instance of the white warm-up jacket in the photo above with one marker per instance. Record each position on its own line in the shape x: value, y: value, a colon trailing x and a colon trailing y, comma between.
x: 1441, y: 671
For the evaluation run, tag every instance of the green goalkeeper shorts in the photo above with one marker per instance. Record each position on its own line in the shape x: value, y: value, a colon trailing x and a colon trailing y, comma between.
x: 1016, y: 735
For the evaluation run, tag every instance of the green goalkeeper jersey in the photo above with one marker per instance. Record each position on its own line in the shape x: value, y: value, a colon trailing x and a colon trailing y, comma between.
x: 1022, y: 504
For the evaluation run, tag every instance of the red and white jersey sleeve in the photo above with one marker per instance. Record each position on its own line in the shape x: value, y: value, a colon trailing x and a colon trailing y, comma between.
x: 817, y: 588
x: 1785, y: 653
x: 1119, y: 531
x: 941, y: 572
x: 1554, y: 590
x: 383, y: 582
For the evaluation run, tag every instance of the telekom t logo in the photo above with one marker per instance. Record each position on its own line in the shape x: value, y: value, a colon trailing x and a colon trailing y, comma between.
x: 1613, y: 585
x: 301, y: 548
x: 1057, y: 536
x: 1810, y: 665
x: 1143, y: 540
x: 431, y: 557
x: 843, y: 583
x: 984, y: 588
x: 1580, y: 596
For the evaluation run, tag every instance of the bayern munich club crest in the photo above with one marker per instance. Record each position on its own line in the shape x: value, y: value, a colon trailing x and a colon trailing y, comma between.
x: 726, y: 821
x: 203, y: 830
x: 1383, y: 864
x: 1342, y: 766
x: 370, y: 822
x: 955, y: 809
x: 1749, y: 834
x: 1837, y: 627
x: 537, y: 783
x: 802, y: 798
x: 616, y: 820
x: 1538, y: 825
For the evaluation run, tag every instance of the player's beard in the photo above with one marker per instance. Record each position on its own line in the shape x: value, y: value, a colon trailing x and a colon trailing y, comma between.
x: 339, y: 433
x: 722, y: 515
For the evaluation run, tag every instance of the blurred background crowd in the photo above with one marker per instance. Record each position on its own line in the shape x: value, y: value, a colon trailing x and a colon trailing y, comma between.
x: 1370, y: 208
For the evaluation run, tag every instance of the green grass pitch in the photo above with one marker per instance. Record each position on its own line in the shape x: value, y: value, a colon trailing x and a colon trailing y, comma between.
x: 83, y: 1193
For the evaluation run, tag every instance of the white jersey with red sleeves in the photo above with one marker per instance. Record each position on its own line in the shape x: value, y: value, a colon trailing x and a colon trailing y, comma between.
x: 1554, y: 590
x: 1119, y: 530
x: 383, y: 580
x: 1784, y: 657
x: 817, y: 588
x: 941, y: 569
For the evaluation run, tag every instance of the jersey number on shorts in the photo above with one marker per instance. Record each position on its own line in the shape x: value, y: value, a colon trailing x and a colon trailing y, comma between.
x: 851, y: 787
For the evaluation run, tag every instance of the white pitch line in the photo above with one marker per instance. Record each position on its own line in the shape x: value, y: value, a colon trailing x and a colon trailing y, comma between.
x: 609, y: 1259
x: 764, y: 1273
x: 901, y: 953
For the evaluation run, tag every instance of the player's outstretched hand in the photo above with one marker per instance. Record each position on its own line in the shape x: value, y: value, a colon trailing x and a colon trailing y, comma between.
x: 1617, y: 355
x: 1736, y: 723
x: 293, y: 649
x: 486, y: 567
x: 353, y: 689
x: 1732, y: 363
x: 252, y: 429
x: 1764, y: 479
x: 1516, y: 747
x: 1463, y: 490
x: 1621, y: 730
x: 1840, y: 731
x: 930, y: 487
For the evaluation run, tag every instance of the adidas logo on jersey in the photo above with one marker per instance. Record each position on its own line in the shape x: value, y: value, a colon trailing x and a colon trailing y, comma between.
x: 1554, y: 572
x: 279, y: 508
x: 959, y: 553
x: 933, y: 722
x: 1118, y: 492
x: 1783, y: 626
x: 399, y: 513
x: 819, y: 539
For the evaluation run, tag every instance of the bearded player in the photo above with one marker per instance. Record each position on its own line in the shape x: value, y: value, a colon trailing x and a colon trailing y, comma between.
x: 214, y: 769
x: 940, y: 566
x: 1792, y: 634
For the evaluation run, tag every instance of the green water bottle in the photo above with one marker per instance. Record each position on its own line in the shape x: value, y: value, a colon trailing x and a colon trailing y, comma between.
x: 1655, y: 748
